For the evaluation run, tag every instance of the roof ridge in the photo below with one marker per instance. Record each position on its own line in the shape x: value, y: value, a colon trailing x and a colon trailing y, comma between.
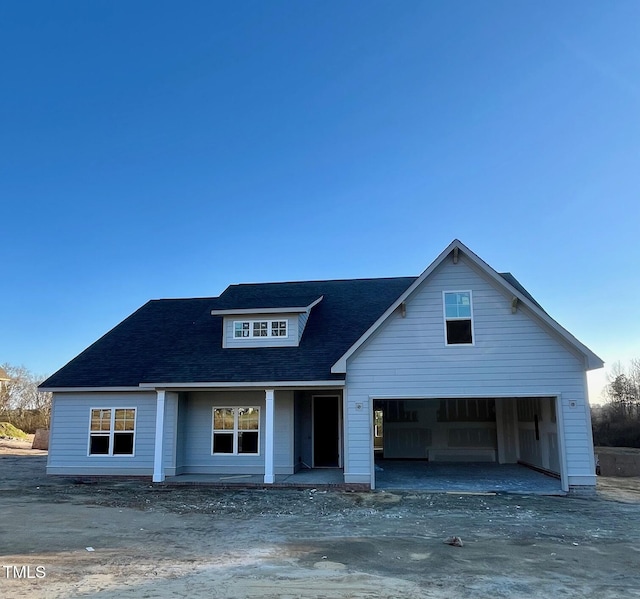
x: 324, y: 281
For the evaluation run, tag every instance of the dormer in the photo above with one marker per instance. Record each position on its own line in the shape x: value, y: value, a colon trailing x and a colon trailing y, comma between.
x: 265, y: 324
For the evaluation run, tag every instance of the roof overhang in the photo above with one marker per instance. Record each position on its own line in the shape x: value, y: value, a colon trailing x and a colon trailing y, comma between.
x: 278, y: 310
x: 88, y: 389
x: 456, y: 247
x: 147, y: 387
x: 246, y: 385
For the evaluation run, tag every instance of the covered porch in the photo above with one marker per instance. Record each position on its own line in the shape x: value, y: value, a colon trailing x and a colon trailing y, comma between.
x: 225, y: 435
x: 305, y: 478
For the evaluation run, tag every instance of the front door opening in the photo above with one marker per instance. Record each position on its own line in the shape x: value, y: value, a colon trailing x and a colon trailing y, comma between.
x: 326, y: 432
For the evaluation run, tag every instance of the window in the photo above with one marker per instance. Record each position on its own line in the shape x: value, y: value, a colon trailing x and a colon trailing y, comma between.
x: 458, y: 318
x: 241, y: 329
x: 259, y: 328
x: 236, y: 431
x: 279, y: 328
x: 112, y: 431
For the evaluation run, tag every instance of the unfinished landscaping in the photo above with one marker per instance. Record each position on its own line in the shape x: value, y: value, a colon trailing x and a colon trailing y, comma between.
x: 129, y: 538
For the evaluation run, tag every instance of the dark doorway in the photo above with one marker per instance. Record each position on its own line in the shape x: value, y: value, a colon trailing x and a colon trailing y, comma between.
x: 326, y: 432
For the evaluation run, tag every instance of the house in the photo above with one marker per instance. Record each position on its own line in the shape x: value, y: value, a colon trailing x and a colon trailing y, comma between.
x: 458, y: 365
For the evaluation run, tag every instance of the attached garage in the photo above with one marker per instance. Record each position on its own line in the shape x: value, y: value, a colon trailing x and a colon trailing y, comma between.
x: 423, y: 443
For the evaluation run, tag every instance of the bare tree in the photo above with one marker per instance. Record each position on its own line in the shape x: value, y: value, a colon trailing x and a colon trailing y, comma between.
x: 617, y: 423
x: 20, y: 400
x: 623, y: 389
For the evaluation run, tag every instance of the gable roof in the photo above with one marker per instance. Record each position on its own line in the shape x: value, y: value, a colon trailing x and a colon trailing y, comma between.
x: 505, y: 280
x: 179, y: 341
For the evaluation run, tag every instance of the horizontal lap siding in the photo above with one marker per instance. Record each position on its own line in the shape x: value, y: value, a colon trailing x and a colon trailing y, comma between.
x: 513, y: 354
x: 291, y: 339
x: 197, y: 429
x: 68, y: 443
x: 170, y: 432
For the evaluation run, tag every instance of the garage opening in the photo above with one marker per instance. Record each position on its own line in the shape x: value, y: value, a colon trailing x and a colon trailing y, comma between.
x: 467, y: 444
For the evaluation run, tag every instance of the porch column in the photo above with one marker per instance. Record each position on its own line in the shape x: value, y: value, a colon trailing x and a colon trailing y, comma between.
x: 269, y: 477
x: 158, y: 469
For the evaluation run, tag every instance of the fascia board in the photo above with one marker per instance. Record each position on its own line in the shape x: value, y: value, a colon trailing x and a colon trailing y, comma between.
x: 282, y: 310
x: 244, y: 385
x: 592, y: 361
x: 341, y: 365
x: 88, y: 389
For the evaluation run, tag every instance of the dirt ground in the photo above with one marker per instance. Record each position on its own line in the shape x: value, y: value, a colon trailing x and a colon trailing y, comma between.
x: 121, y: 538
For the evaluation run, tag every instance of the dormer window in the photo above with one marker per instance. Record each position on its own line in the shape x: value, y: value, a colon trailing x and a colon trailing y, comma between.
x: 259, y: 328
x: 241, y: 329
x: 279, y: 328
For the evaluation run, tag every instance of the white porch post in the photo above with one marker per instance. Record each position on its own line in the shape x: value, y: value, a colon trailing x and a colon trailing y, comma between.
x: 269, y: 477
x: 158, y: 469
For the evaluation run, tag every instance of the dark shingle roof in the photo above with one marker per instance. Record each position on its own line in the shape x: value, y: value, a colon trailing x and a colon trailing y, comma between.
x: 507, y: 276
x: 179, y: 341
x: 250, y: 297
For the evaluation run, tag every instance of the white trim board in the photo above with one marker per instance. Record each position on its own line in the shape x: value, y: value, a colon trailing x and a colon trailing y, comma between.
x: 300, y: 385
x: 284, y: 310
x: 592, y: 361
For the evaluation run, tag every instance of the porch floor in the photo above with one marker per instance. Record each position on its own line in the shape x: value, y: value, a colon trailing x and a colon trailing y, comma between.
x: 302, y: 478
x: 478, y: 477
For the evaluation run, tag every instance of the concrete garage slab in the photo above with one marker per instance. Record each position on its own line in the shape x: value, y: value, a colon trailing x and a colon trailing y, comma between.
x: 479, y: 477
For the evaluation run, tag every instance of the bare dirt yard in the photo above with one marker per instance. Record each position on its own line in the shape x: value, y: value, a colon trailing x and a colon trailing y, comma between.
x: 117, y: 538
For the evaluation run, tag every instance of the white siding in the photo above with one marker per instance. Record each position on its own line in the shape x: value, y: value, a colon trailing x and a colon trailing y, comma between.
x: 291, y: 339
x: 513, y: 354
x: 170, y: 433
x: 302, y: 322
x: 68, y: 442
x: 196, y: 427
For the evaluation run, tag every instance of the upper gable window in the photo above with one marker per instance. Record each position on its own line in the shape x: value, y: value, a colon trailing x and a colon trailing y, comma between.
x: 458, y: 317
x: 259, y: 328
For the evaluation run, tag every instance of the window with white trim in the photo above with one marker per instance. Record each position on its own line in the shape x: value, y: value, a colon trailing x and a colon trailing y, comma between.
x: 236, y: 431
x: 458, y: 318
x: 259, y: 328
x: 112, y: 431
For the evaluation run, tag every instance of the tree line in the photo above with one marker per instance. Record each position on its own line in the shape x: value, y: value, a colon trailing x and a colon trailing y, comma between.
x: 21, y: 403
x: 617, y: 422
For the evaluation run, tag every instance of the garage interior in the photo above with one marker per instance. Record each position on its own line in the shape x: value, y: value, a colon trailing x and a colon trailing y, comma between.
x: 467, y: 444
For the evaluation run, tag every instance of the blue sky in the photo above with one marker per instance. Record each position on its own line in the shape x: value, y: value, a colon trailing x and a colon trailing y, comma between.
x: 167, y: 149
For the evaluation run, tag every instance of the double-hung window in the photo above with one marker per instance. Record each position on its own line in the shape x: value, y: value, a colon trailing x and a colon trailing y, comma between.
x: 112, y: 431
x: 458, y: 316
x: 236, y: 431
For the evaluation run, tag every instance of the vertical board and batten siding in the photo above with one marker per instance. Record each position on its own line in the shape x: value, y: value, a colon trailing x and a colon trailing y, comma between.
x: 196, y: 430
x: 69, y: 438
x: 513, y: 354
x: 290, y: 340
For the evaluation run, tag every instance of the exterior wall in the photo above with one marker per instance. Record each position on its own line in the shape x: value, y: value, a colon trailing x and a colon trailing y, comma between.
x: 69, y: 438
x: 415, y: 428
x: 292, y: 338
x: 302, y: 322
x: 303, y: 456
x: 196, y: 433
x: 513, y: 355
x: 170, y: 437
x: 539, y: 450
